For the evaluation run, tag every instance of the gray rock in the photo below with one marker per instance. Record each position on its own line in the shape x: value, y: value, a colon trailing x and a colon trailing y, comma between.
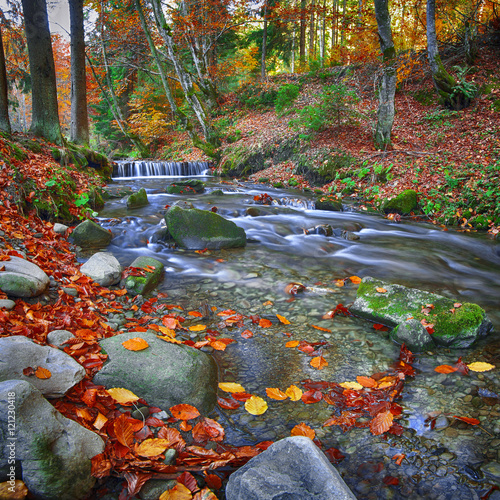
x: 88, y: 234
x: 60, y: 228
x: 413, y: 334
x: 7, y: 304
x: 52, y: 452
x: 350, y: 236
x: 138, y: 199
x: 104, y: 268
x: 153, y: 488
x: 20, y: 278
x: 163, y: 374
x: 198, y: 229
x: 293, y: 468
x: 19, y: 352
x: 59, y: 337
x: 455, y: 327
x: 190, y: 186
x: 138, y: 285
x: 492, y: 471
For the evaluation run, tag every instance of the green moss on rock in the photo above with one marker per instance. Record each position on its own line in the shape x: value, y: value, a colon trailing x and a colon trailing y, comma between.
x: 138, y: 199
x: 404, y: 202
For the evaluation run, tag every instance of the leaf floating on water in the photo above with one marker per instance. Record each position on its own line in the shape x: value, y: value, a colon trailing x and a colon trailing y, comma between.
x: 256, y: 405
x: 445, y: 369
x: 294, y: 393
x: 366, y: 381
x: 352, y: 385
x: 319, y: 362
x: 227, y: 404
x: 294, y: 288
x: 480, y: 366
x: 265, y: 323
x: 381, y: 422
x: 231, y: 387
x: 339, y: 283
x: 135, y: 344
x: 122, y: 396
x: 321, y: 328
x: 468, y: 420
x: 275, y: 393
x: 196, y: 314
x: 303, y: 429
x: 247, y: 334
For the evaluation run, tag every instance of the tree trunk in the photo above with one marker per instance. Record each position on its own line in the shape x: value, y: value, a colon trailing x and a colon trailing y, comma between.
x: 4, y: 100
x: 312, y: 31
x: 445, y: 85
x: 45, y: 118
x: 302, y: 40
x: 79, y: 129
x: 387, y: 88
x: 264, y: 45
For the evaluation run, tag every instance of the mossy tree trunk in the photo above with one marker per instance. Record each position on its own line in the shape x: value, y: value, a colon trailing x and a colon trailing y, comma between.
x: 44, y: 111
x: 387, y: 87
x: 446, y: 86
x: 4, y: 101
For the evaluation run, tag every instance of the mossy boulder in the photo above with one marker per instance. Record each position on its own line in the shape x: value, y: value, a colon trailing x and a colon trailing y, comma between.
x: 328, y: 203
x: 198, y: 229
x: 455, y: 326
x: 139, y: 283
x: 138, y: 199
x: 413, y: 335
x: 403, y: 203
x: 191, y: 186
x: 88, y: 234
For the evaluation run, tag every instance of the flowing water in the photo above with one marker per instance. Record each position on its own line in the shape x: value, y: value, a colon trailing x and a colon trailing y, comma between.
x: 453, y: 460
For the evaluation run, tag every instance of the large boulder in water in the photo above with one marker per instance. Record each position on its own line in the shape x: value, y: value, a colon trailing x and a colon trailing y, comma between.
x: 88, y: 234
x: 164, y: 374
x: 190, y: 186
x: 456, y: 325
x: 138, y: 199
x: 198, y: 229
x: 20, y: 278
x: 293, y: 468
x: 145, y: 275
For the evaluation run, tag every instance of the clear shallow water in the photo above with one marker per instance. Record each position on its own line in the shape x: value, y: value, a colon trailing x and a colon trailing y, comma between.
x: 252, y: 281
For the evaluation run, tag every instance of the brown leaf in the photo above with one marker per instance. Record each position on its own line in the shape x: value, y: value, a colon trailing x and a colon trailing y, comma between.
x: 381, y: 422
x: 247, y: 334
x: 42, y: 373
x: 366, y: 381
x: 124, y: 430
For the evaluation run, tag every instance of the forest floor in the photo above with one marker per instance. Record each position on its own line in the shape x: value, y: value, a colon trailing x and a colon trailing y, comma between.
x: 451, y: 158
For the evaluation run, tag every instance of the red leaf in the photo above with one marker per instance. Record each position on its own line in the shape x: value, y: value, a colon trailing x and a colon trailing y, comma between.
x: 334, y: 455
x: 312, y: 396
x: 391, y: 480
x: 468, y: 420
x: 188, y: 481
x: 228, y: 403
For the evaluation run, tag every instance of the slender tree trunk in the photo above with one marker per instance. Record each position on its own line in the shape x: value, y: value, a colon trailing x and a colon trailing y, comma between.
x: 4, y: 100
x: 264, y: 45
x: 387, y: 88
x: 312, y: 31
x: 444, y: 83
x: 342, y: 33
x: 45, y: 117
x: 79, y: 129
x: 302, y: 41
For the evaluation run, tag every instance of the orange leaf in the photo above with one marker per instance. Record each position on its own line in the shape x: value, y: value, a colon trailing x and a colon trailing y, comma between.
x: 247, y: 334
x: 303, y: 430
x: 381, y: 290
x: 165, y: 330
x: 445, y: 369
x: 184, y: 412
x: 283, y: 319
x: 218, y: 345
x: 339, y: 283
x: 355, y: 279
x: 42, y: 373
x: 321, y: 328
x: 366, y: 381
x: 184, y: 426
x: 318, y: 362
x: 275, y: 393
x: 100, y: 421
x: 170, y: 322
x: 381, y: 422
x: 178, y: 492
x: 170, y: 339
x: 468, y: 420
x: 197, y: 328
x: 398, y: 458
x: 264, y: 323
x: 196, y: 314
x: 135, y: 344
x: 267, y: 303
x: 292, y: 343
x: 152, y: 447
x: 124, y: 431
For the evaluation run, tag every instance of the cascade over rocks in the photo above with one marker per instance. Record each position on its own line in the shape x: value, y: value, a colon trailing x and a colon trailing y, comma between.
x: 20, y: 278
x: 198, y: 229
x: 456, y: 325
x: 19, y: 352
x: 164, y: 374
x: 104, y: 268
x: 88, y: 234
x: 293, y: 468
x: 52, y: 452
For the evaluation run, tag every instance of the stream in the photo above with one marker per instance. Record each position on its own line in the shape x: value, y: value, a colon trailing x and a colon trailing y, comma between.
x: 453, y: 460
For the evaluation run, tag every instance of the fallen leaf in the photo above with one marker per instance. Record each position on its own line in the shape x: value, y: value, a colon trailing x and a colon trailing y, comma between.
x: 256, y: 405
x: 480, y: 366
x: 124, y: 430
x: 319, y: 362
x: 152, y: 447
x: 28, y: 371
x: 445, y: 369
x: 311, y: 397
x: 321, y: 328
x: 398, y: 458
x: 228, y: 404
x: 292, y: 343
x: 267, y: 303
x: 135, y: 344
x: 381, y: 422
x: 247, y: 334
x: 283, y: 319
x: 355, y: 386
x: 275, y: 393
x: 197, y: 328
x: 381, y: 290
x: 294, y: 288
x: 355, y: 279
x: 339, y: 283
x: 294, y: 393
x: 99, y: 421
x: 184, y: 412
x: 196, y: 314
x: 122, y: 396
x: 303, y: 429
x: 166, y: 331
x: 178, y: 492
x: 184, y: 426
x: 468, y: 420
x: 366, y: 381
x: 42, y: 373
x: 231, y: 387
x: 265, y: 323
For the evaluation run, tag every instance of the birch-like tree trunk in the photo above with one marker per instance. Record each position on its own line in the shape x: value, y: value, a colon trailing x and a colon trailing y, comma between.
x: 264, y: 46
x: 387, y: 87
x: 4, y: 101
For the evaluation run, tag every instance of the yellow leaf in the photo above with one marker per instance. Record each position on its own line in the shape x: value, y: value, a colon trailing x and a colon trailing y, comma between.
x: 178, y: 492
x: 152, y: 447
x: 135, y: 344
x: 319, y: 362
x: 231, y: 387
x: 339, y: 283
x: 197, y: 328
x: 294, y: 393
x: 283, y: 319
x: 166, y: 331
x: 169, y: 339
x: 480, y: 366
x: 275, y: 393
x: 292, y: 343
x: 122, y: 396
x: 255, y: 405
x: 351, y: 385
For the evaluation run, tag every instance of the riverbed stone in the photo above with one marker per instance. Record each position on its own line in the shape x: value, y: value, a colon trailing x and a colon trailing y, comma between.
x: 53, y: 453
x: 139, y: 285
x: 19, y: 352
x: 456, y: 325
x: 138, y: 199
x: 59, y: 337
x: 403, y: 203
x: 104, y: 268
x: 190, y: 186
x: 163, y: 374
x: 89, y: 234
x: 7, y: 304
x: 60, y: 228
x: 293, y: 468
x: 328, y: 203
x: 413, y: 335
x: 198, y: 229
x: 21, y: 278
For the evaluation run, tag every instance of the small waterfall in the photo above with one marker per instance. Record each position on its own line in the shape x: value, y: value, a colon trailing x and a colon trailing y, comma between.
x: 294, y: 202
x: 146, y: 168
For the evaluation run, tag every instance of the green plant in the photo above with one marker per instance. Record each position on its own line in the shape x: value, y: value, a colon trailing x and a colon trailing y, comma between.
x: 363, y: 172
x: 340, y: 159
x: 468, y: 89
x: 286, y: 95
x: 293, y: 182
